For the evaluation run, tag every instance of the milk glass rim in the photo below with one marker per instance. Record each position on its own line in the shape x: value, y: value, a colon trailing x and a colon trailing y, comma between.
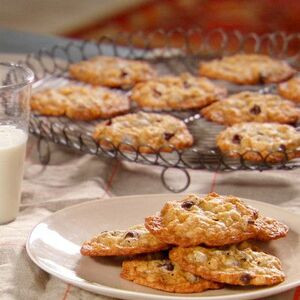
x: 28, y: 78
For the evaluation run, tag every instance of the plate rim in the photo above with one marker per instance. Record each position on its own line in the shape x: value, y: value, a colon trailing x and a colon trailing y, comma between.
x: 115, y: 292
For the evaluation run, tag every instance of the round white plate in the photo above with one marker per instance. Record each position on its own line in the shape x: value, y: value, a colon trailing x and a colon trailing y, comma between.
x: 54, y: 246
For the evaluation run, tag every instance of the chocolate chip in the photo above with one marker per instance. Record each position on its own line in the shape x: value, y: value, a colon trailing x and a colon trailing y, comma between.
x: 255, y: 110
x: 251, y: 222
x: 108, y: 123
x: 244, y: 259
x: 130, y: 234
x: 123, y: 74
x: 157, y: 93
x: 236, y: 139
x: 245, y: 278
x: 187, y: 204
x: 282, y: 148
x: 186, y: 85
x: 261, y: 79
x: 168, y: 136
x: 168, y: 266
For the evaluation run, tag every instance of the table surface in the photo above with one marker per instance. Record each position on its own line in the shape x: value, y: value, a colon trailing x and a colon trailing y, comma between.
x: 71, y: 178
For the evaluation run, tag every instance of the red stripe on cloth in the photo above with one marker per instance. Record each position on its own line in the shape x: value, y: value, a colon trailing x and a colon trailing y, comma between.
x: 213, y: 182
x: 66, y: 292
x: 113, y: 174
x: 297, y: 294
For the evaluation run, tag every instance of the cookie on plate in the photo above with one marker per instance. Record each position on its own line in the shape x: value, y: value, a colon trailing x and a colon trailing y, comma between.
x: 239, y: 264
x: 111, y: 71
x: 290, y: 89
x: 213, y: 220
x: 145, y: 132
x: 79, y: 102
x: 177, y: 92
x: 260, y: 141
x: 137, y: 239
x: 163, y: 275
x: 252, y: 107
x: 247, y: 69
x: 270, y: 229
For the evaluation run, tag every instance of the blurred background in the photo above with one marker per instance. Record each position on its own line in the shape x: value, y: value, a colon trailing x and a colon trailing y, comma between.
x: 90, y: 19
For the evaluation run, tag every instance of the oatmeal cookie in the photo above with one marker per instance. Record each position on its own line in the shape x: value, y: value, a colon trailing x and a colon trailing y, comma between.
x: 234, y: 264
x: 111, y: 71
x: 290, y: 89
x: 79, y: 102
x: 163, y: 275
x: 213, y: 220
x: 270, y: 229
x: 136, y: 239
x: 247, y: 69
x: 177, y: 92
x: 259, y: 141
x: 146, y: 132
x: 252, y: 107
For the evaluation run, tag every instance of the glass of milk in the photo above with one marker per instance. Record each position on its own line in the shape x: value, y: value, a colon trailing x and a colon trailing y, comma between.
x: 15, y: 88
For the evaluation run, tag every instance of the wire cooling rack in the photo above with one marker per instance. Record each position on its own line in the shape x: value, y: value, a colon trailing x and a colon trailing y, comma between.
x: 179, y: 52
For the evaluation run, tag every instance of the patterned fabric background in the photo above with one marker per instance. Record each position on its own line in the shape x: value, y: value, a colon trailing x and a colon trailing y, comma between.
x: 247, y: 16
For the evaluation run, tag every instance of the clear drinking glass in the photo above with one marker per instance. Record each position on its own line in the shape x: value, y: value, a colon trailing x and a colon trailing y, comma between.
x: 15, y: 89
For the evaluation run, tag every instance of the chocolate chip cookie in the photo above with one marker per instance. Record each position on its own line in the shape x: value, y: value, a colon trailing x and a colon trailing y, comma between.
x: 177, y: 92
x: 164, y: 275
x: 260, y: 141
x: 145, y: 132
x: 213, y: 220
x: 239, y: 264
x: 247, y: 69
x: 135, y: 240
x: 79, y: 102
x: 251, y: 107
x: 290, y: 89
x: 111, y: 71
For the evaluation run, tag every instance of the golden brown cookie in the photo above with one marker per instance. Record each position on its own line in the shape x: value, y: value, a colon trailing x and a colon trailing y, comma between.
x: 135, y: 240
x: 270, y: 229
x: 213, y: 220
x: 235, y: 264
x: 252, y: 107
x: 290, y: 89
x: 247, y: 69
x: 177, y: 92
x: 256, y: 141
x: 79, y: 102
x: 163, y: 275
x: 145, y: 132
x: 111, y: 71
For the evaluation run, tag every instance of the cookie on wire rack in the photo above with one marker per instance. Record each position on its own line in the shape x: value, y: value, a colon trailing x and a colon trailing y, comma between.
x: 252, y: 107
x: 111, y: 71
x: 164, y: 275
x: 247, y: 69
x: 290, y: 89
x: 177, y: 92
x: 213, y: 220
x: 79, y: 102
x: 144, y: 132
x: 137, y: 239
x: 260, y: 141
x: 238, y: 264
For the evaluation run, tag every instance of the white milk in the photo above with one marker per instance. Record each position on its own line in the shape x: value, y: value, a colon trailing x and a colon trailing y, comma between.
x: 12, y: 156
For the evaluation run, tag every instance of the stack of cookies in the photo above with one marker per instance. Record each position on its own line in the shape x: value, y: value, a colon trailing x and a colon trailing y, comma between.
x: 195, y: 244
x: 100, y: 94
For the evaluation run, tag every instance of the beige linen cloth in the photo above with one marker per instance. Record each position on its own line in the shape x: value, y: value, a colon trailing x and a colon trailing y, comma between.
x: 72, y: 178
